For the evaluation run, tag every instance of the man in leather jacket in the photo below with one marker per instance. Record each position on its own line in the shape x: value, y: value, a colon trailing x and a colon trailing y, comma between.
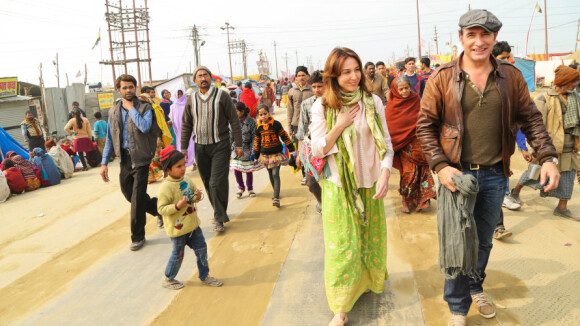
x: 470, y: 113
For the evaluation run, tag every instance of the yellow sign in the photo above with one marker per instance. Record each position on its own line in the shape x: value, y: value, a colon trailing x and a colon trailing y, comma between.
x: 8, y: 86
x: 106, y: 100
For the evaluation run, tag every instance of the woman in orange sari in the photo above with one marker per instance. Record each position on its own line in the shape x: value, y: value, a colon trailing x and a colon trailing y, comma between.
x: 417, y: 186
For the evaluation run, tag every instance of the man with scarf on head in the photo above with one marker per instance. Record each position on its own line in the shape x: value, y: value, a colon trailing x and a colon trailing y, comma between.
x: 32, y: 131
x: 560, y: 108
x: 132, y: 134
x: 296, y: 95
x: 210, y: 114
x: 470, y: 110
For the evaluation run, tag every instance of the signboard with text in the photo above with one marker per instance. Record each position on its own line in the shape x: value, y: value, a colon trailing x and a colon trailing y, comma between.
x: 8, y: 86
x: 106, y: 100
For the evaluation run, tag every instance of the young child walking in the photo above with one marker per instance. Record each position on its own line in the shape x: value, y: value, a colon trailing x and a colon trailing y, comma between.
x: 245, y: 164
x: 268, y: 148
x: 176, y: 202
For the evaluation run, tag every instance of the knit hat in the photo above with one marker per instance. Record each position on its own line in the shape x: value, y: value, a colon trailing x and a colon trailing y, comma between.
x: 200, y: 68
x: 169, y: 156
x: 565, y: 75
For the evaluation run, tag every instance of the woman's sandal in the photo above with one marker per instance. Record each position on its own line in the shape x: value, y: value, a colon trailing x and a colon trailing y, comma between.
x: 252, y: 193
x: 212, y: 281
x: 239, y: 194
x: 172, y: 285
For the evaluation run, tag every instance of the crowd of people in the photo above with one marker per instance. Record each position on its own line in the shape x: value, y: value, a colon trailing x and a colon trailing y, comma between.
x: 346, y: 127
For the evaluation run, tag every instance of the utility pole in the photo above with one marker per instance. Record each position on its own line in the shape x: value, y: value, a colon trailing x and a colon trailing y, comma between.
x: 43, y: 100
x: 436, y: 39
x: 297, y: 64
x: 418, y: 30
x: 196, y: 46
x: 66, y: 75
x: 286, y: 57
x: 276, y: 58
x: 85, y: 74
x: 57, y: 73
x: 408, y: 50
x: 546, y: 29
x: 227, y: 28
x: 577, y: 39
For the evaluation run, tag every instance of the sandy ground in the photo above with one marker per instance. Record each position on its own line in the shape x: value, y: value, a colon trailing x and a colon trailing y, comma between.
x: 64, y: 260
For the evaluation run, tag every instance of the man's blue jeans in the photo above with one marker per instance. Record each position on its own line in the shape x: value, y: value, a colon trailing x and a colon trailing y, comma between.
x: 195, y: 241
x: 492, y: 186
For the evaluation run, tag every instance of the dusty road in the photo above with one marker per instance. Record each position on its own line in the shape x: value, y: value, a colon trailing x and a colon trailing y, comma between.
x: 64, y: 260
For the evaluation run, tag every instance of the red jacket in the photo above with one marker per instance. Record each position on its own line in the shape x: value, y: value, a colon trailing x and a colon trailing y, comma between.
x: 15, y: 179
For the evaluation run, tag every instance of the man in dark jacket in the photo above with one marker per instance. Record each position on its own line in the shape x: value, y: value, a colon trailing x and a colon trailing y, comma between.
x: 470, y: 112
x: 132, y: 134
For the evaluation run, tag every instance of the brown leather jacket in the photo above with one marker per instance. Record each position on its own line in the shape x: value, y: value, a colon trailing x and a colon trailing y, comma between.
x: 440, y: 123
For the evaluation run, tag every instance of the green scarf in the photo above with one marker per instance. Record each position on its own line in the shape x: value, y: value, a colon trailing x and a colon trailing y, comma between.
x: 345, y: 158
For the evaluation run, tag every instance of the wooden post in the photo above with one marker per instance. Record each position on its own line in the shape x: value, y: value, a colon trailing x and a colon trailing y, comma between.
x: 43, y: 102
x: 85, y: 75
x: 66, y: 75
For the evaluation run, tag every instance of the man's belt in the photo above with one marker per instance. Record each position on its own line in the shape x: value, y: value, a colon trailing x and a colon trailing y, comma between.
x: 477, y: 167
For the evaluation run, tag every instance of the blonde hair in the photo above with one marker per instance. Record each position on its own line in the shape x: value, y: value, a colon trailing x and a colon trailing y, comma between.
x: 332, y: 70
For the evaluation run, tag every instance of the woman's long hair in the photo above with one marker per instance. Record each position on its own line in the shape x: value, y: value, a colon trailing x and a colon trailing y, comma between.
x: 77, y: 115
x: 333, y: 69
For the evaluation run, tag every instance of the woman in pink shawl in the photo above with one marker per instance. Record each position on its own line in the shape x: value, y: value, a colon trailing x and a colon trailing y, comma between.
x: 176, y: 114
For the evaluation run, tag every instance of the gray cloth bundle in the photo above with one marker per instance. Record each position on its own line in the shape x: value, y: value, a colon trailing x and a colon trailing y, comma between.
x: 458, y: 241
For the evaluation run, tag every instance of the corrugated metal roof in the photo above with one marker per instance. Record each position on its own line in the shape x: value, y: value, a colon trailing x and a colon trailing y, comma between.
x: 15, y: 98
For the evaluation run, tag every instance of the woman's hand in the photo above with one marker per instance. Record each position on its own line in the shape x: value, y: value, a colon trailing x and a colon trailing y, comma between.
x: 346, y: 118
x: 382, y: 186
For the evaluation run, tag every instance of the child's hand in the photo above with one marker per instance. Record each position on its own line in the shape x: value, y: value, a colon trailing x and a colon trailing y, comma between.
x: 182, y: 203
x: 197, y: 194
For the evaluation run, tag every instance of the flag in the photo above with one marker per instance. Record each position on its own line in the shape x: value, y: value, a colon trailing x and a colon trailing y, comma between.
x: 537, y: 8
x: 78, y: 74
x: 98, y: 39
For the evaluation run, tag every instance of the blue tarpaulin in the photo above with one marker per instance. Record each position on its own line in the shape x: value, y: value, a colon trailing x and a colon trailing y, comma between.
x: 528, y: 69
x: 7, y: 144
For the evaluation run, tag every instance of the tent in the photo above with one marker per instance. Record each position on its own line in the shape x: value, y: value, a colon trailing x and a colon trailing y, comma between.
x: 528, y: 69
x: 574, y: 56
x: 7, y: 144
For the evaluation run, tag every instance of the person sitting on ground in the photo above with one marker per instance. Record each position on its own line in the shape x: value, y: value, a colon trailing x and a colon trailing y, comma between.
x: 177, y: 201
x: 14, y: 177
x: 66, y: 146
x: 248, y: 97
x: 4, y: 188
x: 50, y: 175
x: 81, y: 130
x: 60, y: 158
x: 27, y: 169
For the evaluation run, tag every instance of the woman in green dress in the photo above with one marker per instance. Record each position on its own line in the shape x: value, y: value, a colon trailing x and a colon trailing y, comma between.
x: 349, y: 131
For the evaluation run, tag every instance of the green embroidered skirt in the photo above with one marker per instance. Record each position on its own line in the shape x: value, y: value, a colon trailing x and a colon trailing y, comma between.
x: 355, y: 257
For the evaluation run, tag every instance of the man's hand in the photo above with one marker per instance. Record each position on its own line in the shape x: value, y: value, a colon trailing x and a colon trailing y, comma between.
x: 528, y: 156
x: 182, y: 203
x: 239, y: 152
x: 382, y: 186
x: 445, y: 176
x: 127, y: 105
x: 104, y: 173
x: 290, y: 132
x: 549, y: 170
x: 184, y: 154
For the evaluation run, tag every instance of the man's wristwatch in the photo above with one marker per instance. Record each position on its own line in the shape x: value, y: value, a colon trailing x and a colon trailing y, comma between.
x: 552, y: 160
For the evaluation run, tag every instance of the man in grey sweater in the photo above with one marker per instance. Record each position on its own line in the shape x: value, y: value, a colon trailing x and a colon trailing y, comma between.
x: 209, y: 114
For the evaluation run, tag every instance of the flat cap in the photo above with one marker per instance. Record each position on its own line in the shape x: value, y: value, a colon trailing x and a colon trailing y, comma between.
x: 480, y: 18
